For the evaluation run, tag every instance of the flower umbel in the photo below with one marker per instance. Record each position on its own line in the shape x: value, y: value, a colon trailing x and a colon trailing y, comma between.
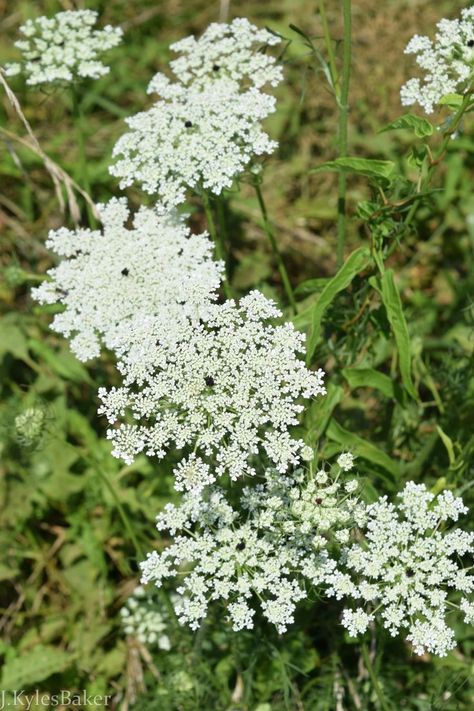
x: 448, y: 62
x: 228, y: 388
x: 406, y: 566
x: 269, y: 547
x: 197, y: 138
x: 63, y: 48
x: 114, y: 283
x: 234, y: 51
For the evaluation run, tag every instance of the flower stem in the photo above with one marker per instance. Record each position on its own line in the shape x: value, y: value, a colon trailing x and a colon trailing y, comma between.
x: 217, y: 239
x: 433, y: 162
x: 79, y: 125
x: 276, y: 252
x: 329, y: 46
x: 373, y: 678
x: 343, y: 99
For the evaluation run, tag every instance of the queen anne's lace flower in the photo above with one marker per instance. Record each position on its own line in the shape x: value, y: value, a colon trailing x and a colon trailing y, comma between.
x: 234, y: 51
x: 114, y: 282
x: 227, y: 388
x: 198, y: 137
x: 448, y: 62
x: 141, y: 618
x: 346, y: 461
x: 271, y: 546
x: 406, y: 566
x: 64, y: 47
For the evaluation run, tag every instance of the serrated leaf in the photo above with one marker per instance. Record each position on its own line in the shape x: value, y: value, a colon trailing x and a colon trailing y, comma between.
x: 369, y: 378
x: 38, y: 664
x: 420, y: 126
x: 393, y: 306
x: 369, y: 167
x: 360, y: 448
x: 355, y: 263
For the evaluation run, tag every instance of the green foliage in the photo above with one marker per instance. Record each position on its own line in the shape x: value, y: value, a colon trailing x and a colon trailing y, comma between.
x: 392, y: 328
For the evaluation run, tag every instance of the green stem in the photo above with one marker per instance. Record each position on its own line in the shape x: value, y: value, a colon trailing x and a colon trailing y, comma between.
x: 440, y: 154
x: 123, y: 515
x: 343, y: 129
x: 373, y: 678
x: 329, y: 46
x: 217, y: 239
x: 276, y: 252
x: 79, y: 125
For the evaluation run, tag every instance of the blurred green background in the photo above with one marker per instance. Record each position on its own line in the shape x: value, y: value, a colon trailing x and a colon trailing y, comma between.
x: 68, y: 562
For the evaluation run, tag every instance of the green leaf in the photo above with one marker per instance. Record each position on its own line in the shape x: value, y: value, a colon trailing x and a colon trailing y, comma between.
x: 369, y: 378
x: 454, y: 101
x: 448, y: 443
x: 63, y: 363
x: 38, y: 664
x: 360, y: 448
x: 420, y: 126
x: 310, y: 286
x: 12, y: 339
x: 355, y: 263
x: 393, y: 305
x: 320, y: 411
x: 370, y: 167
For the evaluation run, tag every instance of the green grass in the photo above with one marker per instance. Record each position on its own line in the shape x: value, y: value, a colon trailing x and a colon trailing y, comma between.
x: 68, y: 560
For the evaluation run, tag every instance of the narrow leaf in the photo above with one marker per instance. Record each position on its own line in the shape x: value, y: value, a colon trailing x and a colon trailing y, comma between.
x: 369, y: 378
x: 448, y: 443
x: 355, y: 263
x: 360, y: 448
x: 370, y: 167
x: 393, y: 306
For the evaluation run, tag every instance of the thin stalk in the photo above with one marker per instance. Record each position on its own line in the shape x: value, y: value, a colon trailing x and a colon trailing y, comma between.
x: 79, y: 125
x: 276, y: 252
x: 217, y: 239
x: 122, y: 513
x: 329, y: 46
x: 373, y: 678
x: 343, y: 129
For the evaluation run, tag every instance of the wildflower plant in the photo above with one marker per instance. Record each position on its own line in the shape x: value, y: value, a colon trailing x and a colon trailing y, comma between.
x: 269, y: 550
x: 404, y: 568
x: 198, y: 138
x: 237, y: 52
x: 226, y: 388
x: 63, y: 48
x: 115, y: 281
x: 448, y: 63
x: 225, y: 392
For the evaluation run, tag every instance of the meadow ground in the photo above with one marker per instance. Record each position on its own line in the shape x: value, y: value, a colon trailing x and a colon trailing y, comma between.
x: 71, y: 513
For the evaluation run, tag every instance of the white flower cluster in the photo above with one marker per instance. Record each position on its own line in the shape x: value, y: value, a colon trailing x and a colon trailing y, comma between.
x: 404, y: 568
x: 206, y: 128
x: 113, y: 282
x: 198, y: 138
x: 142, y: 619
x: 448, y: 62
x: 270, y: 547
x: 229, y: 51
x: 63, y: 48
x: 227, y: 388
